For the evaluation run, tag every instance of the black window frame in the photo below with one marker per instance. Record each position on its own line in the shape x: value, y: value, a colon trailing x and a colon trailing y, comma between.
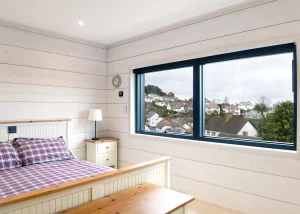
x: 199, y: 99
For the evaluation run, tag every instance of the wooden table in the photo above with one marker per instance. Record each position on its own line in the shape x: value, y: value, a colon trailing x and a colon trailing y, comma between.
x: 142, y: 199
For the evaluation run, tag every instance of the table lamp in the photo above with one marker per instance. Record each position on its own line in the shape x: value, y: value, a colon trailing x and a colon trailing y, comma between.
x: 95, y: 115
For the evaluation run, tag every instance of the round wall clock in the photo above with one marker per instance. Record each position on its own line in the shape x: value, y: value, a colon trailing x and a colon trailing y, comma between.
x: 116, y: 81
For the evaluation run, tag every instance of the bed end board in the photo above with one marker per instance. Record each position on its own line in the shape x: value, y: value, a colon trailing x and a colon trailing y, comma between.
x: 64, y: 196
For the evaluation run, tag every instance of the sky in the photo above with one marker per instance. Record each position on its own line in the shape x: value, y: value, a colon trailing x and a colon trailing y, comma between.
x: 239, y: 80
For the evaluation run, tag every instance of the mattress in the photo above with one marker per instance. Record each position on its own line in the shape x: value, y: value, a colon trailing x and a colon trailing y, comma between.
x: 38, y: 176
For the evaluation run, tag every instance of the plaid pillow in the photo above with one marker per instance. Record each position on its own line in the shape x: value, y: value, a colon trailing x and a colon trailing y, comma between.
x: 8, y: 156
x: 19, y: 139
x: 41, y: 150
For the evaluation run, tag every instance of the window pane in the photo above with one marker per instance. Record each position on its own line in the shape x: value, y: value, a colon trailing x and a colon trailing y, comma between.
x: 169, y: 101
x: 250, y: 99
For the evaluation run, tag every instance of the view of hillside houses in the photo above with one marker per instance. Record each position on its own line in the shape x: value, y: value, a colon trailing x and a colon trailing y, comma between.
x: 167, y: 113
x: 164, y: 112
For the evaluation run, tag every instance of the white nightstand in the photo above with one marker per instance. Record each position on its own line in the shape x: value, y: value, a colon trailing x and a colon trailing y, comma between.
x: 103, y: 151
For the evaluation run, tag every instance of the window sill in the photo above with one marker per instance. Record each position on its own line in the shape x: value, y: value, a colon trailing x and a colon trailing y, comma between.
x: 220, y: 146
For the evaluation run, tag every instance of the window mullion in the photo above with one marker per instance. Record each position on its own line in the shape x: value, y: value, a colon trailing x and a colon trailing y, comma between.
x: 202, y: 101
x: 196, y: 102
x: 294, y: 80
x: 139, y: 102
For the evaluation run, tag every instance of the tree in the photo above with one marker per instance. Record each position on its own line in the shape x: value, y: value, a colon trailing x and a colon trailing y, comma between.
x: 263, y: 104
x: 171, y: 94
x: 279, y: 125
x: 152, y: 89
x: 261, y: 108
x: 265, y: 100
x: 163, y: 113
x: 222, y: 110
x: 226, y: 100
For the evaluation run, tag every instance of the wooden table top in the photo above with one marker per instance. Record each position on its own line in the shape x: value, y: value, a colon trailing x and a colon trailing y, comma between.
x: 142, y: 199
x: 102, y: 140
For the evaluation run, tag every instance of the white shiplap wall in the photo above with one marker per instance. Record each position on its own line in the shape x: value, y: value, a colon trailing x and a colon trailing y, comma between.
x: 45, y: 77
x: 250, y: 180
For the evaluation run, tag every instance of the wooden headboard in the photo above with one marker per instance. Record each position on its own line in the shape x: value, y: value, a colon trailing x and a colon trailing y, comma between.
x: 35, y: 128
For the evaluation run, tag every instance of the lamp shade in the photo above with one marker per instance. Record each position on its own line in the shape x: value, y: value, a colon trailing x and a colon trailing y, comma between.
x: 95, y: 115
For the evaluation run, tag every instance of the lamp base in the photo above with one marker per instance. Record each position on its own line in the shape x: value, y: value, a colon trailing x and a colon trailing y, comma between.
x: 95, y: 138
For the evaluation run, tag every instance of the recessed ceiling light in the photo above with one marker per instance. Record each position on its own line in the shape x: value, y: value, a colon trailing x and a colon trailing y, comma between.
x: 81, y: 23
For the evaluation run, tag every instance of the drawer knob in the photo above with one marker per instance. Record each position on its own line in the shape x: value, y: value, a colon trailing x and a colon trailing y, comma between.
x: 107, y: 147
x: 107, y: 159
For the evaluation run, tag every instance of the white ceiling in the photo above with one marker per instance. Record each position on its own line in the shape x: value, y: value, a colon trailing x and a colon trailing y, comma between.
x: 105, y: 21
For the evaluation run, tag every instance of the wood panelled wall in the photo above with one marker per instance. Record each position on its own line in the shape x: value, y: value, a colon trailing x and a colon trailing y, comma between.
x: 250, y: 180
x: 44, y: 77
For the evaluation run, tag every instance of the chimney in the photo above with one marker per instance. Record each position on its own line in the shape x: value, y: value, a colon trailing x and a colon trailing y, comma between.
x: 228, y: 116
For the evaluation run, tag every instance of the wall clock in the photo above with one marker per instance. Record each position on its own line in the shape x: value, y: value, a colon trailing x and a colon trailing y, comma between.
x: 116, y: 81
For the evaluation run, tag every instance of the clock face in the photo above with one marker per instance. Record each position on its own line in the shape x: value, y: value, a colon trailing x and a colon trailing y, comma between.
x: 116, y: 81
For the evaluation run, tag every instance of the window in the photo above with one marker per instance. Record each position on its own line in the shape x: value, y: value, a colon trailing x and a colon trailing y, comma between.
x: 168, y: 97
x: 244, y: 98
x: 249, y: 93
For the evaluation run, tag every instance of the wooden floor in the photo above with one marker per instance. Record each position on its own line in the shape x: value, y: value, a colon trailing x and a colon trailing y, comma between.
x: 198, y: 207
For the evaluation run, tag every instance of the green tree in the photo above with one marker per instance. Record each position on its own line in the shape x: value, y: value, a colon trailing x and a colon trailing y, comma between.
x: 152, y: 89
x: 261, y: 108
x: 279, y: 125
x: 222, y: 110
x: 263, y: 104
x: 171, y: 94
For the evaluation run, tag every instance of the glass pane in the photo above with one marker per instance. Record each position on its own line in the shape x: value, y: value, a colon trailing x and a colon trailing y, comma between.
x: 250, y: 99
x: 169, y: 101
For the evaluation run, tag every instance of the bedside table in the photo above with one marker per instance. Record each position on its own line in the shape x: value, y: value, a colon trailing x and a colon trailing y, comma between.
x: 103, y: 151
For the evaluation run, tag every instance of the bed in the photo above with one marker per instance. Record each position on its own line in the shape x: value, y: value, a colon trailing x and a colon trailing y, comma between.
x: 56, y: 186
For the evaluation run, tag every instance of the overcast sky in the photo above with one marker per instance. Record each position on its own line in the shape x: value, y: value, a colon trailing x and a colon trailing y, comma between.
x: 239, y: 80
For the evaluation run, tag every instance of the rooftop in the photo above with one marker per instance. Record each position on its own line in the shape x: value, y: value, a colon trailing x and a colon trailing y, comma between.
x: 232, y: 126
x: 150, y: 114
x: 232, y: 107
x: 211, y: 105
x: 164, y: 123
x: 176, y: 105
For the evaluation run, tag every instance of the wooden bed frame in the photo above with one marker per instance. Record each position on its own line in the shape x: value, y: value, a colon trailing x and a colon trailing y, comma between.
x: 57, y: 198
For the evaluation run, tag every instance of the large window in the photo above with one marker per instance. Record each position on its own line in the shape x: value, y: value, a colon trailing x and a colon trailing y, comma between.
x: 244, y: 98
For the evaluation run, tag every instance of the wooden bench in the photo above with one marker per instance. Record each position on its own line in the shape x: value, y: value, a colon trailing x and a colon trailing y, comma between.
x: 146, y: 198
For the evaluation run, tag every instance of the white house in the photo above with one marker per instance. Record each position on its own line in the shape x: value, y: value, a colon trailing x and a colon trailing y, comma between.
x: 152, y: 119
x: 155, y: 97
x: 212, y: 107
x: 161, y: 104
x: 176, y: 106
x: 246, y: 106
x: 235, y: 127
x: 170, y: 126
x: 235, y: 110
x: 253, y: 115
x: 169, y: 99
x: 149, y: 99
